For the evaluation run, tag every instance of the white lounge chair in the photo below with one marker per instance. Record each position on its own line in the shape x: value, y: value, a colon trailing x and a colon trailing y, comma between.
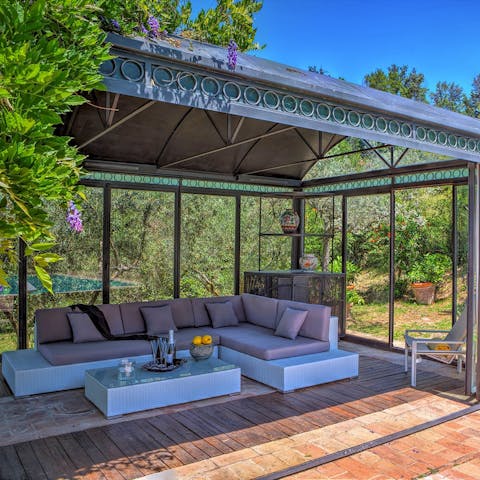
x: 446, y: 349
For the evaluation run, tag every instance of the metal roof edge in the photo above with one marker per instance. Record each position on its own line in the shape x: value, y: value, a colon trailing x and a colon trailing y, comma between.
x: 249, y: 67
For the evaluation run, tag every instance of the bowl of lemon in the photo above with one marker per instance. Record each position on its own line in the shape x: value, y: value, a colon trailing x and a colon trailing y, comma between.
x: 201, y: 347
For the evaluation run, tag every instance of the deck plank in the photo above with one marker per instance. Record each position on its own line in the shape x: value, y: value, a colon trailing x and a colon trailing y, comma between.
x: 11, y: 467
x: 30, y: 462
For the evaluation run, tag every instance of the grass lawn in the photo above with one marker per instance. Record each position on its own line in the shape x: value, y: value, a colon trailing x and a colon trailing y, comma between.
x: 372, y: 320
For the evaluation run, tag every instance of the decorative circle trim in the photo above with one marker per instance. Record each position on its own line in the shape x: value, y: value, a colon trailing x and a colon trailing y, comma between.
x: 354, y: 118
x: 274, y: 96
x: 471, y: 145
x: 186, y: 75
x: 104, y: 70
x: 452, y: 140
x: 421, y: 133
x: 367, y: 121
x: 381, y: 124
x: 213, y: 81
x: 339, y: 114
x: 307, y: 108
x: 228, y: 85
x: 252, y: 90
x: 432, y: 136
x: 442, y: 138
x: 285, y: 104
x: 394, y: 127
x: 324, y: 111
x: 406, y: 130
x: 123, y: 68
x: 462, y: 143
x: 161, y: 81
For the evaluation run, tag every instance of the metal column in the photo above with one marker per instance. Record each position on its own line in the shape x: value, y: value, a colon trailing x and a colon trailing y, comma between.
x: 22, y: 296
x: 391, y: 296
x: 454, y: 252
x: 343, y: 326
x: 473, y: 269
x: 298, y: 205
x: 238, y: 212
x: 176, y: 243
x: 107, y: 210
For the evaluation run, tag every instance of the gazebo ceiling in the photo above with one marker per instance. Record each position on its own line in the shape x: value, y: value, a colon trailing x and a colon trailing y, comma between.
x: 179, y: 108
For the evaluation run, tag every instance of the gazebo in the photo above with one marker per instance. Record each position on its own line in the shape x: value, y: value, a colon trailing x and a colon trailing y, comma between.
x: 175, y: 117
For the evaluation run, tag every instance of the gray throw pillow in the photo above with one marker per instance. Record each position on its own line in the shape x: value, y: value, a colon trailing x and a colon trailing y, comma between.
x: 291, y: 323
x: 222, y: 314
x: 83, y: 329
x: 158, y: 320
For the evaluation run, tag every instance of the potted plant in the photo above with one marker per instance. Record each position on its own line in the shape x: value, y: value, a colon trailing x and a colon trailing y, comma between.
x: 425, y: 274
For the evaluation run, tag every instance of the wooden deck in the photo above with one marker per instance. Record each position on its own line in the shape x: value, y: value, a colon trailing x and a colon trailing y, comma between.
x: 134, y: 448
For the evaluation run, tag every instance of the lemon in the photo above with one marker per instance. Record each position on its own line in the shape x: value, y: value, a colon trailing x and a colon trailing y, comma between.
x: 206, y: 339
x: 197, y: 340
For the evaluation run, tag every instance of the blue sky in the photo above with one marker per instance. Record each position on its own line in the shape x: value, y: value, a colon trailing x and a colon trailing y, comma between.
x: 350, y: 38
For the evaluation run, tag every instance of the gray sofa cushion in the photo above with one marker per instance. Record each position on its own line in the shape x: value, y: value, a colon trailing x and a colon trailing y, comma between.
x: 222, y: 314
x: 52, y: 325
x: 113, y: 317
x: 261, y: 311
x: 133, y: 321
x: 158, y: 320
x: 317, y: 323
x: 261, y: 343
x: 65, y: 353
x: 83, y: 329
x: 200, y: 312
x: 291, y: 323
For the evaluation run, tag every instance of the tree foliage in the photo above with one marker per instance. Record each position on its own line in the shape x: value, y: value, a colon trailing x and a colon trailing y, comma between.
x: 449, y: 95
x: 399, y: 81
x: 49, y: 52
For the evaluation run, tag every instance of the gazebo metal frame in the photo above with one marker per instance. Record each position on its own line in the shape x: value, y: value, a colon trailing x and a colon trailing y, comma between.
x: 175, y: 117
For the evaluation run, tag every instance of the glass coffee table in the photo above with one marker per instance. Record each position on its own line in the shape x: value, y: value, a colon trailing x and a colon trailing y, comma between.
x: 115, y: 394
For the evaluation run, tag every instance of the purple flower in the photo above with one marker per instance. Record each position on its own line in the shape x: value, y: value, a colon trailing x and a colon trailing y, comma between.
x: 154, y: 26
x: 1, y: 288
x: 115, y: 24
x: 232, y: 55
x: 74, y: 218
x: 143, y: 29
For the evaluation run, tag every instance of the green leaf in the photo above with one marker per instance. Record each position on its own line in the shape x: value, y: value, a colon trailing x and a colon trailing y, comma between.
x: 44, y: 277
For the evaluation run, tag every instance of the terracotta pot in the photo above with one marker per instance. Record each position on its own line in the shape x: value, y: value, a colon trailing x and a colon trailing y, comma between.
x: 424, y: 292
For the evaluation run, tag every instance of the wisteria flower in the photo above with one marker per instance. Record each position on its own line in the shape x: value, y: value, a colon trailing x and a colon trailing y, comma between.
x: 232, y: 55
x: 143, y: 30
x: 74, y: 218
x: 115, y: 24
x: 154, y: 26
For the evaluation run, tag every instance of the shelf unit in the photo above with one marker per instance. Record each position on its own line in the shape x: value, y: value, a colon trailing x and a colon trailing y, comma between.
x: 298, y: 236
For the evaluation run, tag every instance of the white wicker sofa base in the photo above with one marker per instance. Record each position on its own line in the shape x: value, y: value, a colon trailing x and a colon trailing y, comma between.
x: 27, y: 372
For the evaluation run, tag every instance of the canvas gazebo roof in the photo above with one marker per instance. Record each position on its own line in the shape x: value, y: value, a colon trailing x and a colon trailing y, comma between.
x: 174, y: 107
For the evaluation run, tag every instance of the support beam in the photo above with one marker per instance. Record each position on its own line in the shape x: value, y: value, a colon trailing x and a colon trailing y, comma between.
x: 343, y: 325
x: 387, y: 172
x: 381, y: 157
x: 117, y: 124
x: 227, y: 147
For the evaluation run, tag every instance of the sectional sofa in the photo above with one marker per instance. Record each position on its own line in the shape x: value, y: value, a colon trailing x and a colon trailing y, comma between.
x: 284, y: 344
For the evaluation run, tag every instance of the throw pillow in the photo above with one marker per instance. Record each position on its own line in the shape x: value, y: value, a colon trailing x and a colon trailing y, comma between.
x: 83, y: 329
x: 222, y: 314
x: 158, y: 320
x: 291, y: 323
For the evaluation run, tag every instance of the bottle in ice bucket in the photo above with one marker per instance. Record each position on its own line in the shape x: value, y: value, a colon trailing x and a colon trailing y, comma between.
x: 170, y: 349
